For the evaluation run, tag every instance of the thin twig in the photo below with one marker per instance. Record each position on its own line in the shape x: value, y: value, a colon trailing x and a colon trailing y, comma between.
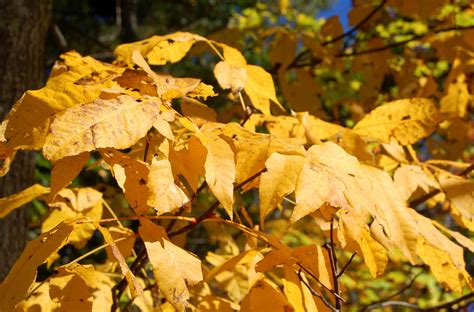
x: 302, y: 54
x: 315, y: 293
x: 347, y: 264
x: 399, y: 292
x: 210, y: 211
x: 333, y: 262
x: 359, y: 25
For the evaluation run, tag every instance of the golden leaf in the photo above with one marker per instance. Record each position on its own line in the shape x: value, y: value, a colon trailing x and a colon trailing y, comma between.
x: 158, y: 49
x: 84, y: 202
x: 135, y: 288
x: 82, y: 81
x: 460, y: 193
x: 132, y: 177
x: 165, y: 195
x: 264, y: 297
x: 16, y: 285
x: 117, y: 123
x: 457, y: 99
x: 12, y: 202
x: 278, y: 181
x: 125, y: 246
x: 72, y: 287
x: 65, y: 170
x: 220, y: 169
x: 408, y: 178
x: 172, y: 266
x: 442, y: 266
x: 230, y: 76
x: 292, y: 289
x: 407, y: 120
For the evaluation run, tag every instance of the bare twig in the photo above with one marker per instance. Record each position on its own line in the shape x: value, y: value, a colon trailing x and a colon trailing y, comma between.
x: 333, y: 262
x: 346, y: 265
x: 359, y: 25
x: 302, y: 54
x: 399, y: 292
x: 315, y: 293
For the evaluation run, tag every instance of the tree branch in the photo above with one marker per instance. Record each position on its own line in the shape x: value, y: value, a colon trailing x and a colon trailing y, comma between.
x: 302, y: 54
x: 359, y: 25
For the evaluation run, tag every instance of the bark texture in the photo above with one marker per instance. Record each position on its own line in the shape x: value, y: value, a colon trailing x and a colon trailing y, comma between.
x: 23, y: 30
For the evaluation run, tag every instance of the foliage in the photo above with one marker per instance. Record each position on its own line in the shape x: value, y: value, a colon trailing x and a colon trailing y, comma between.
x: 346, y: 185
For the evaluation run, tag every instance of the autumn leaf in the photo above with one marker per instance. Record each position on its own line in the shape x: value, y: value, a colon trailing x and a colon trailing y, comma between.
x: 132, y: 177
x: 135, y: 288
x: 220, y: 169
x: 159, y: 49
x: 16, y: 285
x: 165, y: 195
x: 80, y: 80
x: 72, y: 205
x: 407, y: 120
x: 264, y: 296
x: 12, y: 202
x: 460, y: 192
x: 65, y: 170
x: 278, y: 181
x: 234, y: 73
x: 172, y: 266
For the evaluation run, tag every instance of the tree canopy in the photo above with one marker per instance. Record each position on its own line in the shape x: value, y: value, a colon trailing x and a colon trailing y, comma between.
x: 283, y: 163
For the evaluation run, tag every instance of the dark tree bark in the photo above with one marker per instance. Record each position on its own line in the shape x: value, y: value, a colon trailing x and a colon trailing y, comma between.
x: 23, y: 29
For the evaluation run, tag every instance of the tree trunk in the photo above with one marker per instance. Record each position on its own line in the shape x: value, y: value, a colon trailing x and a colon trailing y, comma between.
x: 23, y: 29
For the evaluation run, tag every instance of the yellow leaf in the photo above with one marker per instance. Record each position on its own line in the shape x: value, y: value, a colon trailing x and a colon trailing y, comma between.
x: 408, y: 178
x: 442, y: 266
x: 321, y: 179
x: 253, y: 149
x: 85, y: 202
x: 457, y: 99
x: 125, y: 246
x: 38, y: 298
x: 316, y: 260
x: 230, y: 264
x: 260, y: 89
x: 220, y: 169
x: 292, y: 289
x: 214, y: 303
x: 72, y: 287
x: 357, y: 232
x: 12, y: 202
x: 460, y: 193
x: 379, y: 196
x: 135, y: 288
x: 259, y: 85
x: 117, y: 123
x: 82, y: 81
x: 172, y: 266
x: 132, y: 177
x: 188, y: 162
x: 65, y: 170
x: 16, y: 285
x: 163, y: 127
x: 407, y: 120
x: 158, y: 49
x: 230, y: 76
x: 165, y: 195
x: 196, y: 110
x: 264, y: 297
x: 278, y: 181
